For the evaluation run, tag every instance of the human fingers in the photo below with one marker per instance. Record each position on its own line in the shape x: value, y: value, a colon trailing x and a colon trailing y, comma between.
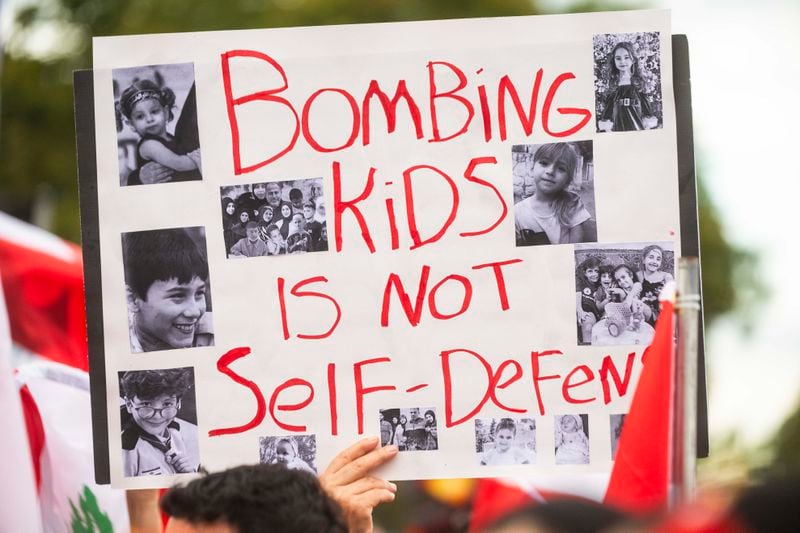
x: 366, y: 484
x: 359, y: 467
x: 351, y: 453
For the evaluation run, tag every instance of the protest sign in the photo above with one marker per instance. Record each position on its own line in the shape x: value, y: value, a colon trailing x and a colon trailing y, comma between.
x: 450, y: 234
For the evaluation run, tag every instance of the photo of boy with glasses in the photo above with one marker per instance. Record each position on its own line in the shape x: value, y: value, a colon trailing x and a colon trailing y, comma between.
x: 154, y: 440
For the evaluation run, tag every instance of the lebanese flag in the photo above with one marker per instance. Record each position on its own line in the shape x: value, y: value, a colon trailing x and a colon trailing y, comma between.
x: 42, y: 277
x: 640, y: 477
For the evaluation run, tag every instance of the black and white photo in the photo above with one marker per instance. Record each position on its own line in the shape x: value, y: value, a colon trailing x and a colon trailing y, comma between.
x: 505, y: 441
x: 156, y: 114
x: 274, y: 218
x: 296, y: 452
x: 572, y: 439
x: 617, y: 291
x: 554, y: 193
x: 159, y: 422
x: 615, y: 423
x: 167, y: 289
x: 410, y: 429
x: 627, y: 81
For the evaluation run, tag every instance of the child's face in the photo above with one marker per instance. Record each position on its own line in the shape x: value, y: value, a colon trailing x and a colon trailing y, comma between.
x: 623, y: 60
x: 260, y: 191
x: 308, y: 212
x: 267, y: 215
x: 153, y: 415
x: 652, y: 261
x: 171, y: 310
x: 284, y: 453
x: 550, y: 176
x: 568, y: 424
x: 605, y: 279
x: 230, y: 208
x: 274, y: 235
x: 149, y: 116
x: 244, y: 217
x: 624, y: 279
x: 286, y: 211
x: 592, y: 274
x: 252, y: 234
x: 298, y: 221
x: 429, y: 418
x: 504, y: 439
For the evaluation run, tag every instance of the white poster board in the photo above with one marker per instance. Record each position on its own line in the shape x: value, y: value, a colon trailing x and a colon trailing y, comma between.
x: 458, y: 179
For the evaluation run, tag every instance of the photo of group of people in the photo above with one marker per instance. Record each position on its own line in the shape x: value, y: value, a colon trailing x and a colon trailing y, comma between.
x: 296, y: 452
x: 167, y: 289
x: 274, y: 218
x: 157, y: 134
x: 408, y: 430
x: 159, y: 422
x: 572, y: 439
x: 617, y: 291
x: 554, y: 193
x: 627, y: 81
x: 505, y: 441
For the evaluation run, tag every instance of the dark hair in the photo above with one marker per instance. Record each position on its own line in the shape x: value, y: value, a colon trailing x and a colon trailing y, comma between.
x: 161, y: 255
x: 636, y: 77
x: 607, y: 269
x: 430, y: 412
x: 262, y: 497
x: 147, y: 384
x: 565, y: 202
x: 295, y: 194
x: 141, y: 90
x: 623, y: 266
x: 650, y: 248
x: 506, y: 423
x: 271, y: 228
x: 251, y: 225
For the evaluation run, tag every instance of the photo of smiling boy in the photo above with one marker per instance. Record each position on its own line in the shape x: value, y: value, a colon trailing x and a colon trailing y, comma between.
x: 155, y: 440
x: 166, y: 278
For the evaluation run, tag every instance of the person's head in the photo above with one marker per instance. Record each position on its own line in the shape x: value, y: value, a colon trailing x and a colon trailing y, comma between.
x: 285, y: 451
x: 622, y: 60
x: 623, y: 276
x: 260, y: 191
x: 308, y: 210
x: 320, y: 215
x: 273, y: 233
x: 606, y: 276
x: 414, y: 412
x: 553, y: 168
x: 261, y: 497
x: 403, y: 420
x: 244, y: 216
x: 265, y: 214
x: 252, y: 231
x: 228, y: 206
x: 652, y: 257
x: 504, y: 434
x: 286, y: 210
x: 323, y: 234
x: 296, y: 197
x: 569, y: 423
x: 298, y: 222
x: 146, y: 108
x: 153, y: 397
x: 274, y: 194
x: 589, y: 269
x: 316, y: 191
x: 430, y: 417
x: 165, y: 277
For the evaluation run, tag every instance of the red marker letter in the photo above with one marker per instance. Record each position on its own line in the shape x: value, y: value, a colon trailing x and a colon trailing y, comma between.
x: 294, y: 382
x: 223, y: 365
x: 361, y: 391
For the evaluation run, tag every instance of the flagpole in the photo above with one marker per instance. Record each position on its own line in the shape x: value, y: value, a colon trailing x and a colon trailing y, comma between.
x: 685, y: 390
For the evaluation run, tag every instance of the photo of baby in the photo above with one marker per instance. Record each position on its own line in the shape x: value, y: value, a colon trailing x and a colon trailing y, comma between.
x: 617, y: 291
x: 167, y: 289
x: 554, y: 193
x: 616, y: 422
x: 275, y: 218
x: 159, y: 422
x: 627, y: 81
x: 405, y: 428
x: 505, y: 441
x: 572, y: 439
x: 296, y: 452
x: 156, y: 114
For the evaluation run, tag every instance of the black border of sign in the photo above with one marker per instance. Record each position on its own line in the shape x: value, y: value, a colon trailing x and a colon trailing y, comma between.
x: 87, y: 185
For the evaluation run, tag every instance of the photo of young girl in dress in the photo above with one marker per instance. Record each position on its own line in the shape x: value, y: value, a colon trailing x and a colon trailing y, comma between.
x: 410, y: 429
x: 572, y: 439
x: 275, y: 218
x: 505, y: 441
x: 296, y: 452
x: 159, y: 422
x: 627, y: 81
x: 617, y: 291
x: 554, y: 193
x: 167, y: 289
x: 156, y: 114
x: 616, y: 422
